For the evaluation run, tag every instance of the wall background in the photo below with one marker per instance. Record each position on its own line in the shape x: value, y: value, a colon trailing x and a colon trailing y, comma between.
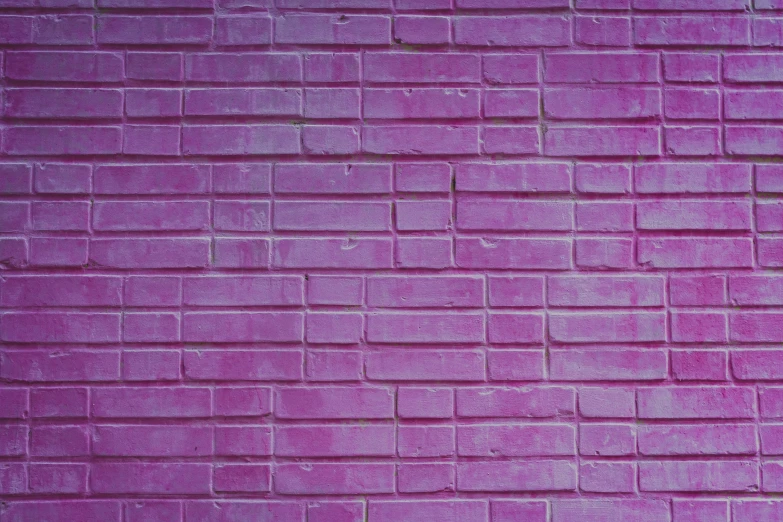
x: 346, y: 260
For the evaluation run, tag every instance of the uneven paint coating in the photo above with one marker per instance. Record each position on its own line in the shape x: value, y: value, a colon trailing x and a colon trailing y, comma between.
x: 391, y: 260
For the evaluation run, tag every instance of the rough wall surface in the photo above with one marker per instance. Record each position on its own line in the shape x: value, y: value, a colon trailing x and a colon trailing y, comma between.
x: 421, y: 260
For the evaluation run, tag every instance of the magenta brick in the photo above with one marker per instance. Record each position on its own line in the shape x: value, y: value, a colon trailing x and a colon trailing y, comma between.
x: 149, y: 478
x: 693, y: 141
x: 425, y: 403
x: 515, y: 365
x: 604, y: 217
x: 242, y: 326
x: 331, y: 366
x: 593, y: 291
x: 334, y: 403
x: 60, y: 216
x: 604, y: 254
x: 332, y: 103
x: 693, y: 104
x: 332, y: 179
x: 695, y: 252
x: 142, y: 441
x: 59, y: 441
x: 603, y: 31
x: 338, y: 328
x: 769, y: 217
x: 425, y: 328
x: 445, y: 510
x: 699, y: 365
x: 345, y: 216
x: 330, y: 29
x: 508, y: 328
x: 510, y: 140
x: 51, y: 251
x: 243, y: 291
x: 414, y: 292
x: 771, y: 403
x: 698, y: 327
x: 154, y: 66
x: 425, y: 478
x: 607, y: 477
x: 241, y: 253
x: 63, y: 103
x: 331, y: 67
x: 607, y: 440
x: 62, y: 140
x: 60, y: 178
x: 422, y: 215
x: 243, y: 30
x: 526, y: 31
x: 697, y: 290
x: 513, y: 177
x: 605, y: 365
x: 511, y: 510
x: 431, y: 140
x: 691, y: 30
x: 601, y: 103
x: 14, y: 441
x: 172, y: 215
x: 150, y: 402
x: 251, y: 178
x: 151, y: 365
x: 153, y: 511
x: 58, y: 478
x: 258, y: 102
x: 755, y: 327
x: 58, y: 511
x: 607, y: 328
x: 17, y: 178
x: 696, y: 403
x: 151, y: 179
x: 691, y: 67
x: 602, y: 141
x: 51, y: 327
x: 334, y: 479
x: 332, y: 253
x: 509, y: 476
x: 152, y: 291
x: 704, y: 476
x: 14, y: 403
x: 423, y: 177
x: 241, y: 478
x: 607, y: 402
x: 552, y: 254
x: 422, y: 30
x: 589, y: 510
x: 58, y: 402
x: 61, y: 291
x: 715, y: 439
x: 224, y: 365
x: 243, y: 441
x: 421, y: 67
x: 64, y: 66
x: 150, y: 253
x: 243, y: 67
x: 513, y: 215
x: 425, y: 366
x: 498, y: 440
x: 515, y: 402
x: 334, y: 441
x: 421, y: 103
x: 153, y: 103
x: 601, y: 68
x: 510, y: 69
x: 770, y: 252
x: 241, y: 216
x: 526, y: 291
x: 699, y: 510
x: 151, y: 327
x: 423, y: 252
x: 425, y: 441
x: 223, y: 511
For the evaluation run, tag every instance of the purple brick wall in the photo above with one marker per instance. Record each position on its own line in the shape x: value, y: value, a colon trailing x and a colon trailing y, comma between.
x: 391, y: 260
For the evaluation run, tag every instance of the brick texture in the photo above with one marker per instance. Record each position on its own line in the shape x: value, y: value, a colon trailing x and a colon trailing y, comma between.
x: 391, y: 260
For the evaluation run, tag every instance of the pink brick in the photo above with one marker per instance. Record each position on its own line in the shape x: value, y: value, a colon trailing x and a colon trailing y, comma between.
x: 513, y: 177
x: 51, y: 251
x: 153, y: 511
x: 58, y: 478
x: 510, y: 68
x: 692, y: 104
x: 425, y: 441
x: 607, y: 440
x: 150, y: 478
x: 516, y: 402
x: 62, y: 140
x: 608, y: 328
x: 334, y: 479
x: 243, y: 67
x: 150, y: 253
x: 151, y: 179
x: 423, y: 177
x: 421, y: 67
x: 64, y: 66
x: 697, y: 290
x: 425, y: 328
x: 426, y: 365
x: 695, y: 252
x: 63, y: 103
x: 243, y: 441
x: 152, y: 291
x: 698, y: 327
x: 421, y: 103
x: 58, y: 511
x: 510, y: 140
x: 696, y: 403
x: 17, y: 178
x: 515, y: 365
x: 333, y: 179
x: 690, y: 30
x: 150, y: 402
x: 14, y: 440
x: 514, y: 215
x: 53, y: 327
x: 699, y: 365
x: 231, y: 140
x: 241, y: 253
x: 603, y: 31
x: 755, y: 327
x: 60, y: 216
x: 250, y: 178
x: 142, y: 441
x: 151, y: 365
x: 543, y: 475
x: 601, y: 103
x: 607, y: 365
x: 231, y: 510
x: 338, y: 328
x: 345, y: 216
x: 260, y: 102
x: 770, y: 252
x: 323, y: 29
x: 601, y: 68
x: 418, y: 140
x: 445, y: 510
x: 58, y: 402
x: 422, y: 30
x: 154, y: 66
x: 332, y: 253
x: 334, y: 441
x: 332, y: 103
x: 61, y: 291
x: 703, y: 476
x: 243, y: 291
x: 523, y: 291
x: 692, y: 178
x: 693, y: 141
x: 331, y: 67
x: 151, y: 327
x: 425, y: 478
x: 607, y: 477
x: 603, y: 291
x: 511, y: 510
x: 498, y: 440
x: 505, y: 328
x: 716, y: 439
x: 590, y: 510
x: 243, y: 326
x: 240, y: 365
x: 771, y: 403
x: 59, y: 441
x: 243, y: 30
x: 423, y: 252
x: 425, y: 403
x: 759, y: 365
x: 241, y: 478
x: 526, y: 31
x: 552, y: 254
x: 607, y: 402
x: 602, y: 141
x: 334, y: 403
x: 699, y: 510
x: 14, y: 403
x: 691, y: 67
x: 604, y: 217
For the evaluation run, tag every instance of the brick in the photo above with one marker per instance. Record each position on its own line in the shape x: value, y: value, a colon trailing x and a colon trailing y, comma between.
x: 755, y: 290
x: 238, y: 365
x: 66, y: 327
x: 151, y: 179
x: 215, y: 511
x: 422, y: 215
x: 692, y: 178
x: 242, y: 402
x: 541, y: 254
x: 513, y: 177
x: 418, y: 140
x: 415, y: 292
x: 334, y: 479
x: 700, y: 510
x: 612, y: 291
x: 604, y: 217
x: 769, y: 435
x: 696, y: 403
x: 693, y: 104
x: 445, y: 510
x: 695, y: 252
x: 511, y: 103
x: 150, y: 253
x: 58, y: 402
x: 425, y: 403
x: 328, y: 366
x: 606, y: 402
x: 151, y: 365
x: 150, y: 402
x: 771, y: 403
x: 601, y: 68
x: 577, y: 103
x: 421, y: 68
x: 515, y: 402
x: 698, y: 327
x: 603, y: 31
x: 59, y: 441
x: 244, y: 67
x: 425, y: 478
x: 241, y: 253
x: 331, y: 67
x: 14, y: 403
x: 334, y: 403
x: 697, y: 290
x: 699, y: 365
x: 36, y: 103
x: 602, y: 179
x: 251, y: 178
x: 420, y: 365
x: 152, y: 291
x: 510, y: 510
x: 617, y: 327
x: 607, y: 477
x: 142, y: 441
x: 770, y: 252
x: 425, y: 441
x: 602, y: 141
x: 332, y: 253
x: 337, y: 328
x: 150, y: 478
x: 423, y: 177
x: 332, y: 103
x: 589, y: 510
x: 541, y: 475
x: 58, y: 511
x: 332, y: 29
x: 17, y: 178
x: 499, y: 440
x: 332, y: 179
x: 752, y: 68
x: 691, y: 67
x: 61, y: 291
x: 714, y: 439
x: 691, y: 30
x: 509, y: 69
x: 240, y: 102
x: 515, y: 365
x: 421, y: 103
x: 423, y: 252
x: 64, y: 66
x: 606, y: 365
x: 62, y: 140
x: 516, y: 291
x: 230, y: 140
x: 344, y: 216
x: 705, y: 476
x: 154, y: 66
x: 606, y: 440
x: 525, y: 31
x: 506, y: 328
x: 153, y: 510
x: 51, y: 251
x: 243, y: 441
x: 60, y: 216
x: 425, y: 328
x: 243, y: 30
x: 334, y: 441
x: 510, y: 140
x: 144, y: 216
x: 241, y: 478
x: 514, y: 215
x: 14, y: 442
x: 242, y: 326
x: 693, y: 141
x: 422, y: 30
x: 58, y: 478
